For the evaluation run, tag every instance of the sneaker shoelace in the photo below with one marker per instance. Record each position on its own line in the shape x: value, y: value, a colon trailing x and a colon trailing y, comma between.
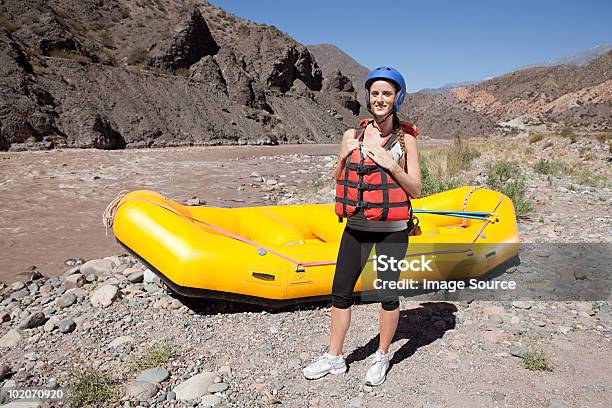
x: 378, y: 357
x: 326, y: 358
x: 335, y: 363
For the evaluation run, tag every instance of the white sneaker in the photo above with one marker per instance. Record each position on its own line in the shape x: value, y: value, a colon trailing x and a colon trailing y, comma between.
x: 324, y: 365
x: 377, y: 372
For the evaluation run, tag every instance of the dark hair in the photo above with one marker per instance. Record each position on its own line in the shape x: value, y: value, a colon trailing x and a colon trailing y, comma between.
x: 397, y: 123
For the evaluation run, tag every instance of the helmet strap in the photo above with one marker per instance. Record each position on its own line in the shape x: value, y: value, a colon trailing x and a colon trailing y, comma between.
x: 380, y: 122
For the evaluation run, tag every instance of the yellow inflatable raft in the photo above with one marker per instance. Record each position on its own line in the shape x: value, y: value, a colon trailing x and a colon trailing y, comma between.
x: 286, y: 254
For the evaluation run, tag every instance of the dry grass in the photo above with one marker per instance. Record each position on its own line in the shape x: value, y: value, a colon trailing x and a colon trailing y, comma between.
x: 39, y: 69
x: 545, y: 166
x: 111, y: 59
x: 585, y: 153
x: 569, y: 134
x: 57, y: 53
x: 8, y: 24
x: 106, y: 39
x: 137, y: 56
x: 507, y: 178
x: 588, y: 178
x: 181, y: 72
x: 91, y: 387
x: 537, y: 362
x: 534, y: 138
x: 603, y: 137
x: 441, y: 167
x: 151, y: 355
x: 184, y: 72
x: 448, y: 161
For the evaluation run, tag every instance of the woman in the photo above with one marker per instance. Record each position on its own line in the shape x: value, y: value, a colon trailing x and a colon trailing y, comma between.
x: 385, y: 93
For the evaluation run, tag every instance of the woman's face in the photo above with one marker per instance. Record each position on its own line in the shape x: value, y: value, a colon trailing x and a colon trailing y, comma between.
x: 382, y: 96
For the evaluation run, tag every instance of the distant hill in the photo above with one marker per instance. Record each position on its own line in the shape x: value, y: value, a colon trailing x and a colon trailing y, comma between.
x: 448, y: 87
x: 557, y: 96
x: 580, y: 58
x: 574, y: 94
x: 331, y: 58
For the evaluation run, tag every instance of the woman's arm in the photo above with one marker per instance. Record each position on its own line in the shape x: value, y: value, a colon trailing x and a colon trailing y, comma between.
x: 346, y: 147
x: 411, y: 181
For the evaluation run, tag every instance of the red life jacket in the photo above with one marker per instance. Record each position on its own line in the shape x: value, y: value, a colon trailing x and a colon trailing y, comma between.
x: 365, y: 186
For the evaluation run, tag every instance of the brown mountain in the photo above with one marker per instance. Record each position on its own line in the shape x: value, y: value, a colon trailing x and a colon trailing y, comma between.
x: 141, y: 73
x: 578, y: 96
x: 557, y: 96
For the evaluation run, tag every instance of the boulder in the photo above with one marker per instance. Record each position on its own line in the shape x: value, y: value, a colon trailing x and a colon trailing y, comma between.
x: 338, y: 82
x: 55, y: 39
x: 195, y: 387
x: 11, y: 338
x: 104, y: 295
x: 97, y: 267
x: 33, y: 320
x: 207, y: 70
x: 141, y: 390
x: 74, y: 281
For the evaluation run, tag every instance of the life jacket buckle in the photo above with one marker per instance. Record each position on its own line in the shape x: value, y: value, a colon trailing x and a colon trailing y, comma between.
x: 364, y: 186
x: 363, y: 204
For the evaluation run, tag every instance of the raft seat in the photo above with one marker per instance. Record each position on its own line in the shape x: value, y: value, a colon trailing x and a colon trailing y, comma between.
x: 267, y: 229
x: 324, y: 225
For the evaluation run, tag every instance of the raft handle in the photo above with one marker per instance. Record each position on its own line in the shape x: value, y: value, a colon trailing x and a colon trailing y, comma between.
x: 264, y: 276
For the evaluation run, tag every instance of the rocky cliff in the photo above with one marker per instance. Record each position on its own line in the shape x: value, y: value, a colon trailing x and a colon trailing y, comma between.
x: 332, y: 59
x: 114, y: 74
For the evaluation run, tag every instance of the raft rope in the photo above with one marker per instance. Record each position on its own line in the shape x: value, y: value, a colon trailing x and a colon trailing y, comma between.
x: 465, y: 202
x: 108, y: 218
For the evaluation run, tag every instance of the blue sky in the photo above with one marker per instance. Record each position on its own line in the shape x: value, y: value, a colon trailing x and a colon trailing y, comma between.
x: 440, y: 41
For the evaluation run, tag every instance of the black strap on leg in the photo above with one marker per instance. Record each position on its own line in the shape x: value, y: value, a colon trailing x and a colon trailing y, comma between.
x: 412, y: 225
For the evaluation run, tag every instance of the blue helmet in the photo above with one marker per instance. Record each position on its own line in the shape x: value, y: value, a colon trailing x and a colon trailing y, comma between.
x: 390, y: 74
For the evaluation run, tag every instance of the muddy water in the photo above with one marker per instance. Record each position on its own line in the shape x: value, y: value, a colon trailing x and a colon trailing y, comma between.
x: 51, y: 202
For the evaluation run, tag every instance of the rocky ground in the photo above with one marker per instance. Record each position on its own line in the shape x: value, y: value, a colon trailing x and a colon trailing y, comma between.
x: 111, y: 316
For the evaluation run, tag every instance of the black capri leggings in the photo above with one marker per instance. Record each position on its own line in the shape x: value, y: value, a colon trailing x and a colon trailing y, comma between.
x: 355, y: 247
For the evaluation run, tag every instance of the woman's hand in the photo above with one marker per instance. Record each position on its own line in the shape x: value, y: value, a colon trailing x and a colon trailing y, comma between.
x: 382, y: 157
x: 348, y: 144
x: 409, y: 180
x: 347, y: 147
